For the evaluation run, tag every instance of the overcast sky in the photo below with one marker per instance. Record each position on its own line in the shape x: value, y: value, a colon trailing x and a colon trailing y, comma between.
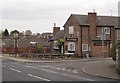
x: 40, y: 15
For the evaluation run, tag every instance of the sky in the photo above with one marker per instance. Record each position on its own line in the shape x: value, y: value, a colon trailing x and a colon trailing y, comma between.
x: 40, y: 15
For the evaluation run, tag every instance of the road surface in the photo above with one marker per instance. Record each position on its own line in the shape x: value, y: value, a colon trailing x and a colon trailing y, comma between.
x: 64, y: 71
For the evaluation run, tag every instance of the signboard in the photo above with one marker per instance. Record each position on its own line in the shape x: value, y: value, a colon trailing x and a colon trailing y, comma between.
x: 72, y: 39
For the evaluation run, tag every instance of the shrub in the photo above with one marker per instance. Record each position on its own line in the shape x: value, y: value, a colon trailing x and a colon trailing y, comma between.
x: 113, y: 51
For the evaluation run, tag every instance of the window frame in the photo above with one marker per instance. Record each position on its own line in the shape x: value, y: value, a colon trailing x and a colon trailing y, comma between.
x: 71, y: 29
x: 55, y: 45
x: 85, y: 46
x: 107, y: 30
x: 73, y: 46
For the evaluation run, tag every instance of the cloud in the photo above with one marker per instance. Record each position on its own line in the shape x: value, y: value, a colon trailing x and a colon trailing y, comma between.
x: 39, y: 15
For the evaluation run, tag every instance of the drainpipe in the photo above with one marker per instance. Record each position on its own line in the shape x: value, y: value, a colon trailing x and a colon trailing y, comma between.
x: 81, y: 39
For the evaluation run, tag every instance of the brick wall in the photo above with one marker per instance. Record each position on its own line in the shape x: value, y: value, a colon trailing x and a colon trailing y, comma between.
x: 100, y: 51
x: 72, y: 22
x: 55, y: 30
x: 92, y: 23
x: 84, y: 33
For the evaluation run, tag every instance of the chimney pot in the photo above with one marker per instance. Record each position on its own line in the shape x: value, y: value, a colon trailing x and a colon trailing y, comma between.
x: 55, y: 29
x: 54, y: 24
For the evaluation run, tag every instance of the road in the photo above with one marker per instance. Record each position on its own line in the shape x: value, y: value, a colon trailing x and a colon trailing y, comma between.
x: 62, y: 71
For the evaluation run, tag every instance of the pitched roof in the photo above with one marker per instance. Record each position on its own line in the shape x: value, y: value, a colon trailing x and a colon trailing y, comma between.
x: 101, y: 20
x: 25, y: 42
x: 58, y: 35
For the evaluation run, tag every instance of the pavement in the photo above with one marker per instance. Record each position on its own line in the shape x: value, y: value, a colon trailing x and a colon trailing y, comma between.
x: 102, y: 70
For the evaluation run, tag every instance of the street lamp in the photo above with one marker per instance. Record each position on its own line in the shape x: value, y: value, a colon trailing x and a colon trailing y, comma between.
x: 102, y: 39
x: 15, y: 35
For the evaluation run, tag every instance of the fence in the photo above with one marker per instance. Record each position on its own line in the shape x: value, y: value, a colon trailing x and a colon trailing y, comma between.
x: 47, y: 56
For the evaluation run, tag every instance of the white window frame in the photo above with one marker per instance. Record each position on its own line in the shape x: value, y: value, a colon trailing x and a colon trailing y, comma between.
x: 118, y: 34
x: 71, y: 29
x: 55, y: 45
x: 71, y: 48
x: 85, y: 47
x: 107, y: 30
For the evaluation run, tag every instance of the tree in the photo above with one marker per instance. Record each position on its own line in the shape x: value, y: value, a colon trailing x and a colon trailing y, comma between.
x: 6, y: 33
x: 11, y: 33
x: 40, y: 49
x: 113, y: 51
x: 28, y: 32
x: 59, y: 44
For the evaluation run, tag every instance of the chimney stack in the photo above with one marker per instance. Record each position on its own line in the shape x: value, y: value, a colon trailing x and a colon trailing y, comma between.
x: 55, y: 29
x: 92, y: 22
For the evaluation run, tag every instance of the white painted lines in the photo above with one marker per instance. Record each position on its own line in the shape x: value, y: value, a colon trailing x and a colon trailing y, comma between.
x: 49, y: 66
x: 58, y: 68
x: 63, y: 69
x: 3, y: 66
x: 68, y: 75
x: 53, y: 67
x: 75, y: 71
x: 15, y: 70
x: 38, y: 77
x: 68, y: 70
x: 43, y: 66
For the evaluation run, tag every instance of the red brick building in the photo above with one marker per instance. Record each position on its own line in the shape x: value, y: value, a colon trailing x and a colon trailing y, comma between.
x: 26, y: 44
x: 90, y: 34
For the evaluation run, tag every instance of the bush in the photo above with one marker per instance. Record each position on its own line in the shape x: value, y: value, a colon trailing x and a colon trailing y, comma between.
x: 113, y: 51
x: 40, y: 49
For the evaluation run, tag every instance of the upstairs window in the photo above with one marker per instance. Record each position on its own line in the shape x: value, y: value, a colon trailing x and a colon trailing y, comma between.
x: 107, y: 30
x: 71, y: 29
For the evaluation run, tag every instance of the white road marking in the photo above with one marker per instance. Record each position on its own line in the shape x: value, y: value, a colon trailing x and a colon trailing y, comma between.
x: 3, y: 66
x: 38, y: 77
x: 58, y: 68
x: 68, y: 70
x: 42, y: 66
x: 75, y: 71
x: 67, y: 75
x: 50, y: 66
x: 63, y: 69
x: 53, y: 67
x: 15, y: 70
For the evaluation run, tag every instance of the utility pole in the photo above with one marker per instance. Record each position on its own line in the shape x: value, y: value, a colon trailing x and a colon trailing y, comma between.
x: 102, y: 39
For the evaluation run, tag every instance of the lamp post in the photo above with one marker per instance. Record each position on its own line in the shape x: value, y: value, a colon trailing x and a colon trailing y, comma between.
x: 15, y: 35
x: 102, y: 39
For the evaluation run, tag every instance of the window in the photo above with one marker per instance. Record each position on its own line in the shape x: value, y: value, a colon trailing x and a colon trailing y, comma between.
x: 55, y: 45
x: 118, y: 34
x: 71, y: 46
x: 107, y: 30
x: 71, y: 29
x: 84, y: 47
